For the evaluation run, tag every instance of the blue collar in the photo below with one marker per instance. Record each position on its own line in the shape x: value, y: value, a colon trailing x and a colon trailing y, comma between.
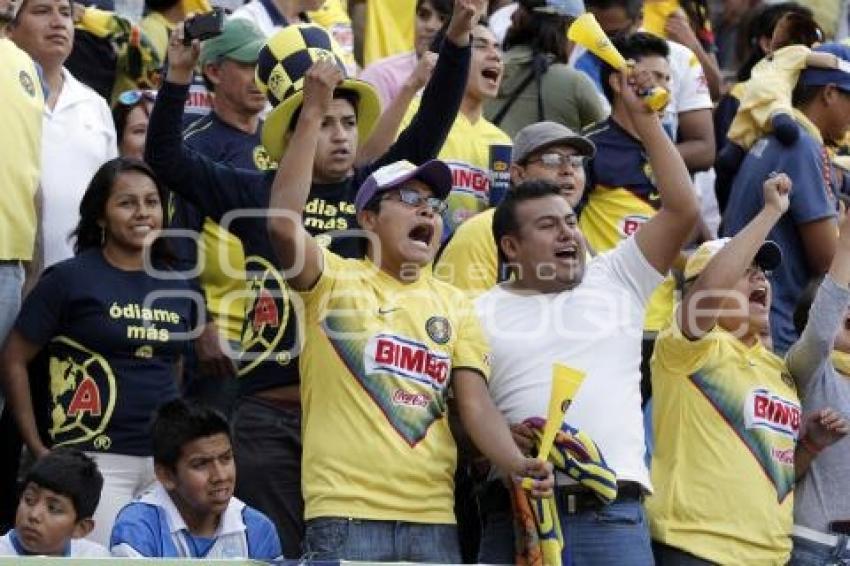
x: 19, y: 547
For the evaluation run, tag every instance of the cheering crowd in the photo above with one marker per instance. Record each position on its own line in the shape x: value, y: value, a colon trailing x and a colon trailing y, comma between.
x: 294, y: 279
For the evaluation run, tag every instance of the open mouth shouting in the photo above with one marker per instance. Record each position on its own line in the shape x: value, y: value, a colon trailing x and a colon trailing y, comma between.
x: 422, y: 235
x: 568, y: 252
x: 491, y: 75
x: 758, y: 296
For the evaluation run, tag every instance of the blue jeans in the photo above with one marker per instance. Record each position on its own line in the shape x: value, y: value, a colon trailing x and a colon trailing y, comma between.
x: 810, y: 553
x: 615, y: 534
x: 11, y: 283
x: 333, y: 538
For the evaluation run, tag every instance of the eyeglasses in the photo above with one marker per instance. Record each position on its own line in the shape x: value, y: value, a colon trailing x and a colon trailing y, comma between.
x: 559, y: 160
x: 132, y: 97
x: 412, y: 197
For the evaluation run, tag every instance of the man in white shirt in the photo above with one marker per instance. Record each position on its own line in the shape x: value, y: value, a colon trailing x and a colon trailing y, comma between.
x: 591, y: 318
x: 78, y: 135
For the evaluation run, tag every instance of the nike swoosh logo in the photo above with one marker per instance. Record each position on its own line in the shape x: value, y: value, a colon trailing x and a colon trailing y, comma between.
x: 385, y: 310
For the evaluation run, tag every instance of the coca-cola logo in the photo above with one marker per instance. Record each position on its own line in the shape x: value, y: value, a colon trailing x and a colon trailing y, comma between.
x: 401, y: 397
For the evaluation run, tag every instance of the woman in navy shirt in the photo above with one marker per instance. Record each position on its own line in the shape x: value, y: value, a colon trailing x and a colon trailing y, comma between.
x: 112, y: 321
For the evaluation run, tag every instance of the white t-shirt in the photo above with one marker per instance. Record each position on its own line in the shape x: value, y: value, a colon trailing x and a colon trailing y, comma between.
x: 78, y: 137
x: 596, y: 328
x: 80, y: 548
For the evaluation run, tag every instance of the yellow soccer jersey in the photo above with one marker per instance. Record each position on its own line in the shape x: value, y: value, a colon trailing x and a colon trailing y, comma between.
x: 389, y: 28
x: 467, y: 153
x: 470, y: 261
x: 223, y: 278
x: 725, y: 419
x: 21, y: 113
x: 375, y: 372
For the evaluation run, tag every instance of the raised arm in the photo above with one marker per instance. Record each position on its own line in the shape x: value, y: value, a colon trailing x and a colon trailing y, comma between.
x: 214, y: 189
x: 424, y: 137
x: 827, y: 313
x: 662, y: 237
x: 387, y: 127
x: 297, y: 251
x: 700, y: 308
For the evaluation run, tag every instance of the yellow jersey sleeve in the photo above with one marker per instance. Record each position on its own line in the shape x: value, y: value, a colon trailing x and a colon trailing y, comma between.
x: 679, y: 355
x: 470, y: 261
x: 472, y: 350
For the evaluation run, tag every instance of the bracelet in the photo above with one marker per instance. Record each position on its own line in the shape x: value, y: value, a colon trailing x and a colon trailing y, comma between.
x: 813, y: 448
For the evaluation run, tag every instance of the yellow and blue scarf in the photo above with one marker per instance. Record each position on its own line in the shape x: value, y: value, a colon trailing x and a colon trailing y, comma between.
x: 539, y: 539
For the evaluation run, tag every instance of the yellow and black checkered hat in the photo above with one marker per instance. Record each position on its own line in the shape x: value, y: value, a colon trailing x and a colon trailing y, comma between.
x: 281, y: 67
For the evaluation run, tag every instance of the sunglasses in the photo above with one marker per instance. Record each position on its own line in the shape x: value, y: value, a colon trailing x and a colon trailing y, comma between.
x: 133, y: 97
x: 412, y: 197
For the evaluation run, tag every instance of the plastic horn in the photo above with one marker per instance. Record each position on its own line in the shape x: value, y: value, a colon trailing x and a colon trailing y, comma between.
x: 565, y: 384
x: 586, y: 31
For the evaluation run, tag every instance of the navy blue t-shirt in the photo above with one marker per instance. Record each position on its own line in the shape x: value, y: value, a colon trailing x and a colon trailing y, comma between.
x: 113, y: 345
x: 812, y: 199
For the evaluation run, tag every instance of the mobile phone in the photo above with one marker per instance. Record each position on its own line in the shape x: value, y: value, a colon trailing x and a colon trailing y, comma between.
x: 203, y: 26
x: 840, y: 527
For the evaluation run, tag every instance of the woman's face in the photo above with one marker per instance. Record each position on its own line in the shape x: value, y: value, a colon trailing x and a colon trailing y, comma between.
x: 135, y: 132
x: 133, y: 215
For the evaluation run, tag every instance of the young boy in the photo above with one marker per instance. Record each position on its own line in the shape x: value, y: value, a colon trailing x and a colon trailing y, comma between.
x: 60, y: 494
x: 191, y: 512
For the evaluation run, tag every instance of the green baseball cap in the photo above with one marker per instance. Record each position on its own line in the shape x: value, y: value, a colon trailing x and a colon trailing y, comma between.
x: 240, y: 40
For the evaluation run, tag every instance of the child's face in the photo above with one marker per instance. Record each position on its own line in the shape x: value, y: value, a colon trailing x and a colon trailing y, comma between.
x: 203, y: 480
x: 46, y: 521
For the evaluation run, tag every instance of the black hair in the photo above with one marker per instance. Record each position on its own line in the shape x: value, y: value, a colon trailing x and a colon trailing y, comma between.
x: 88, y: 232
x: 633, y: 46
x: 804, y: 304
x: 178, y: 423
x: 351, y: 96
x: 633, y: 8
x: 761, y: 25
x: 69, y: 472
x: 443, y: 7
x: 803, y: 94
x: 505, y: 219
x: 121, y: 113
x: 159, y: 5
x: 542, y: 32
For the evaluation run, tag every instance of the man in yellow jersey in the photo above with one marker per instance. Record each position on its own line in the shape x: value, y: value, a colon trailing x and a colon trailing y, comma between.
x: 20, y: 167
x: 559, y: 307
x: 545, y: 151
x: 468, y: 146
x: 384, y: 345
x: 726, y: 413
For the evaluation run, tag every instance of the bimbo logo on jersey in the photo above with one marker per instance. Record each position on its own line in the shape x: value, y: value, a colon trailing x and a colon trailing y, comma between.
x: 407, y: 358
x: 469, y: 179
x: 769, y: 411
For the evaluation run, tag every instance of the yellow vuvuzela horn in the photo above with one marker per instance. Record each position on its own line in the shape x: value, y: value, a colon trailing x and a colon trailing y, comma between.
x: 565, y: 384
x: 586, y: 31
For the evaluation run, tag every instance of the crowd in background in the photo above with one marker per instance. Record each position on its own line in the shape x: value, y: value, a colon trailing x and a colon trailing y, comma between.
x: 336, y: 249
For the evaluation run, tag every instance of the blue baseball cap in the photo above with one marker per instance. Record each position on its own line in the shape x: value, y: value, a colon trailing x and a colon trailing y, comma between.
x: 840, y: 77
